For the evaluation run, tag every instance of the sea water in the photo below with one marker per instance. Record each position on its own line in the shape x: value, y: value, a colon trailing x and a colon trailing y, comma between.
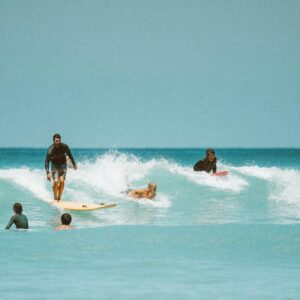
x: 203, y: 237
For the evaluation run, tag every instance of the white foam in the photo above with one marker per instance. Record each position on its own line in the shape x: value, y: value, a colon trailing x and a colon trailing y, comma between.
x: 285, y: 182
x: 110, y: 174
x: 259, y: 172
x: 32, y: 180
x: 160, y: 201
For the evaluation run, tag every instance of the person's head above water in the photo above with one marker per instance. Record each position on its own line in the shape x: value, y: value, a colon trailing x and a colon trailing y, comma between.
x: 152, y: 187
x: 57, y: 139
x: 210, y: 154
x: 18, y: 208
x: 66, y: 219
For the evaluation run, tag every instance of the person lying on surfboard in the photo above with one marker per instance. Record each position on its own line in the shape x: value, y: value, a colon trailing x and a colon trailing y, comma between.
x: 208, y: 164
x: 66, y: 220
x: 57, y: 153
x: 148, y: 193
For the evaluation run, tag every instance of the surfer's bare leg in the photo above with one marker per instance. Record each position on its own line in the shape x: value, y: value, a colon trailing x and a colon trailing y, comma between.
x: 61, y: 187
x: 55, y: 189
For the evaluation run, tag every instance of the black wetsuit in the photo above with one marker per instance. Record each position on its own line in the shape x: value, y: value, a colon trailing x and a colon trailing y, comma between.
x: 206, y: 165
x: 19, y: 220
x: 57, y: 155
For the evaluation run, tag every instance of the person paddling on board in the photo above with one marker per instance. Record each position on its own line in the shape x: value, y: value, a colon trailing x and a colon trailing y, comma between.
x: 208, y: 164
x: 148, y: 193
x: 57, y: 153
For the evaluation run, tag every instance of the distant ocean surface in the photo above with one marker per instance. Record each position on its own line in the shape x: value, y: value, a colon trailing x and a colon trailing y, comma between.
x: 203, y: 237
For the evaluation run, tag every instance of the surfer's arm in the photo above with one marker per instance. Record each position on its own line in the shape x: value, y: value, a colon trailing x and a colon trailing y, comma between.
x: 47, y: 160
x: 151, y: 195
x: 11, y: 221
x: 215, y: 167
x: 68, y: 152
x: 138, y: 193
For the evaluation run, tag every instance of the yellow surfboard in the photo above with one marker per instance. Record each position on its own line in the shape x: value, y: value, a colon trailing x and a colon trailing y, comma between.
x: 80, y: 206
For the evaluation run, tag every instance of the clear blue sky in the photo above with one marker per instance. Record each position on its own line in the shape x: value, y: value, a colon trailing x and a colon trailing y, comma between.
x: 150, y: 73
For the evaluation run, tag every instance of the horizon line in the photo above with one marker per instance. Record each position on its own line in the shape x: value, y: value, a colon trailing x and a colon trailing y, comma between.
x: 163, y: 147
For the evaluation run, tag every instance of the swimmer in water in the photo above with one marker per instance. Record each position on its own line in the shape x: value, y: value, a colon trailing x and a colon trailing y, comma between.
x: 18, y: 219
x: 66, y: 220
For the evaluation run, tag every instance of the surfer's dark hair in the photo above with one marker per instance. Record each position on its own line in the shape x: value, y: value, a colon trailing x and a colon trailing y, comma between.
x: 210, y: 151
x: 56, y: 136
x: 18, y: 208
x: 66, y: 219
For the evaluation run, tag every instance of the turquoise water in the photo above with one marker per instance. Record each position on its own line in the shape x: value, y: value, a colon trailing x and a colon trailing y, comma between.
x: 201, y: 238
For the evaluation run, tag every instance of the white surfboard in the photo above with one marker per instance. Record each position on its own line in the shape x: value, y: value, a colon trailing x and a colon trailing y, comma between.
x: 80, y: 206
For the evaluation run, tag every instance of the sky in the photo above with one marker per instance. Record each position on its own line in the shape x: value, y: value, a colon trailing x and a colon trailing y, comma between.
x: 155, y: 73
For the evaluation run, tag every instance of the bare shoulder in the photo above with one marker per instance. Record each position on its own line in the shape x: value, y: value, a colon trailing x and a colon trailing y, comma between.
x: 64, y: 227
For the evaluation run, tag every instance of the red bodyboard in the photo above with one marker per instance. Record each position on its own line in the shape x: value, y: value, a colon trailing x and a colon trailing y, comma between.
x: 221, y: 173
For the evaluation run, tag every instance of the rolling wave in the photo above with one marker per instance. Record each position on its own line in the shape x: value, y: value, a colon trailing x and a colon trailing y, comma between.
x: 108, y: 176
x: 285, y: 182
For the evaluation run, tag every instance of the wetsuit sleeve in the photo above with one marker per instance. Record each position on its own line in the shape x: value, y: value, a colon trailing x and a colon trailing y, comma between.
x: 197, y: 166
x: 11, y: 221
x: 215, y: 167
x: 47, y: 160
x: 68, y: 151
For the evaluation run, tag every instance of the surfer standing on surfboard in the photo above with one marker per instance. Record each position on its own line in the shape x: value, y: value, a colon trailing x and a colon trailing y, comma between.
x: 57, y: 153
x: 208, y: 163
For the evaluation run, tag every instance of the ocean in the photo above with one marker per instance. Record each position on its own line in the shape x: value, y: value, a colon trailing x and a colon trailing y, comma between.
x: 203, y: 237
